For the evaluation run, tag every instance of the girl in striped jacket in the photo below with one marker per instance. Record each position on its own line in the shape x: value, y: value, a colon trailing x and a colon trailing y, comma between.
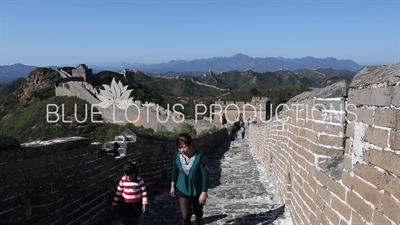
x: 132, y: 194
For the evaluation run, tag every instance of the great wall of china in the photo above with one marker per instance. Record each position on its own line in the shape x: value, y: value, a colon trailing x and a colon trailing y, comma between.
x: 330, y: 165
x: 149, y: 114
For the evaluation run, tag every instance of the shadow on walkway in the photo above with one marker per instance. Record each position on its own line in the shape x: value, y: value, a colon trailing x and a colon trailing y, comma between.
x: 164, y: 209
x: 214, y: 163
x: 264, y: 217
x: 211, y: 219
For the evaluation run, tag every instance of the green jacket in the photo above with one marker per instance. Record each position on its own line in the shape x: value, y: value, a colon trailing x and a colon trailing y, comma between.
x: 198, y: 179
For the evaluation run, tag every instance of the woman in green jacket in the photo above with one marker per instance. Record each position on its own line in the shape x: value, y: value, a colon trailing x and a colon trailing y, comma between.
x: 190, y: 179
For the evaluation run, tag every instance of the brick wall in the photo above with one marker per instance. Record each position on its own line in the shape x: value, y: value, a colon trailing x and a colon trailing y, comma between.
x: 72, y: 181
x: 338, y: 170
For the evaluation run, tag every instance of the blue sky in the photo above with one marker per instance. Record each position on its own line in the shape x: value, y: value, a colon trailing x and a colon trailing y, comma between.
x: 54, y: 32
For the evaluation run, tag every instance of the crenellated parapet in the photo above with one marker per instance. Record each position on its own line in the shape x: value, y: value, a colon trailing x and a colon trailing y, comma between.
x: 72, y: 180
x: 334, y: 153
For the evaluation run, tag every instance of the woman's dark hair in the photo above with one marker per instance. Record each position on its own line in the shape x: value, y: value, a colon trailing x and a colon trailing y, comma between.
x: 130, y: 168
x: 185, y: 139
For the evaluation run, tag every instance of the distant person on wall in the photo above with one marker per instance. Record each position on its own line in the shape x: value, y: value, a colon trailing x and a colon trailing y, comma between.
x: 233, y: 133
x: 189, y: 179
x: 242, y: 130
x: 224, y: 120
x: 115, y: 148
x: 132, y: 194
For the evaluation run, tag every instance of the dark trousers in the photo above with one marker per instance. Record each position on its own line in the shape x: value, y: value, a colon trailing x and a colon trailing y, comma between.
x: 130, y: 212
x: 187, y: 203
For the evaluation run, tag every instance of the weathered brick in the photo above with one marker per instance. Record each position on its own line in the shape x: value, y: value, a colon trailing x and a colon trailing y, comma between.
x: 94, y: 148
x: 394, y: 140
x: 356, y: 218
x: 301, y: 162
x: 32, y: 163
x: 337, y: 189
x: 350, y: 130
x: 351, y: 115
x: 323, y: 197
x: 342, y: 207
x: 71, y: 162
x: 327, y: 128
x: 348, y: 146
x: 307, y: 200
x: 370, y: 174
x: 361, y: 115
x: 89, y: 158
x: 392, y: 185
x: 377, y: 136
x: 322, y: 218
x: 367, y: 191
x: 337, y: 105
x: 9, y: 167
x: 347, y: 163
x: 311, y: 135
x: 97, y: 218
x: 57, y: 156
x: 322, y: 178
x: 295, y: 214
x: 328, y: 117
x: 77, y: 152
x: 331, y: 140
x: 322, y: 150
x: 49, y: 168
x: 371, y: 97
x: 313, y: 219
x: 17, y: 178
x: 379, y: 218
x: 396, y: 96
x: 32, y: 152
x: 332, y: 216
x: 312, y: 182
x: 384, y: 159
x: 385, y: 117
x: 308, y: 124
x: 299, y: 123
x: 347, y: 179
x: 11, y: 155
x: 359, y: 205
x: 391, y: 208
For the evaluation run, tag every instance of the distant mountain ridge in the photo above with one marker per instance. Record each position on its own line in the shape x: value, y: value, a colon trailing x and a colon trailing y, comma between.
x: 12, y: 72
x: 200, y: 66
x: 243, y: 62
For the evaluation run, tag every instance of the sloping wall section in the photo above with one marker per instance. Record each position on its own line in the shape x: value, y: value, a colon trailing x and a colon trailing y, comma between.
x: 72, y: 181
x: 336, y: 160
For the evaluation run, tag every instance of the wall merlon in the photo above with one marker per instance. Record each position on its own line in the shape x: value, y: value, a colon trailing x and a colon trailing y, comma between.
x: 371, y: 97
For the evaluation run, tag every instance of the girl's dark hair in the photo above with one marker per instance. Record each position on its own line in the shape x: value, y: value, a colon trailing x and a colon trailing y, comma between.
x: 130, y: 168
x: 184, y: 138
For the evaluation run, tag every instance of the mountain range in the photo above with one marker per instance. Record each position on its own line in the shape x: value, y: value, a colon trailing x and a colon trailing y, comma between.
x: 200, y: 66
x: 244, y: 62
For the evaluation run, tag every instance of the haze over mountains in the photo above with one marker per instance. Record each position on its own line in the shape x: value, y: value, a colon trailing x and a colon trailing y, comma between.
x: 199, y: 66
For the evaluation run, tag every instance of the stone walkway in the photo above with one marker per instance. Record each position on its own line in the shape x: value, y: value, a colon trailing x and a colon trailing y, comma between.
x: 240, y: 193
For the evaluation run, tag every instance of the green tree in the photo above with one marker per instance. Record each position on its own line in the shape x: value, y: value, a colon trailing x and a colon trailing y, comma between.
x: 254, y: 91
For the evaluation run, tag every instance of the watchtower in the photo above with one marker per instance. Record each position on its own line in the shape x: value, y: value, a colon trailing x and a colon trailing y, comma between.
x: 129, y: 75
x: 83, y: 71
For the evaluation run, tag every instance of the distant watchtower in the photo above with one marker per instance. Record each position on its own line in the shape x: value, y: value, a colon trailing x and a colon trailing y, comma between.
x: 128, y: 74
x: 83, y: 71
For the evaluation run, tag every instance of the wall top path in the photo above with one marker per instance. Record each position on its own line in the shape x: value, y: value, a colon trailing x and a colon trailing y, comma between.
x: 389, y: 74
x: 335, y: 90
